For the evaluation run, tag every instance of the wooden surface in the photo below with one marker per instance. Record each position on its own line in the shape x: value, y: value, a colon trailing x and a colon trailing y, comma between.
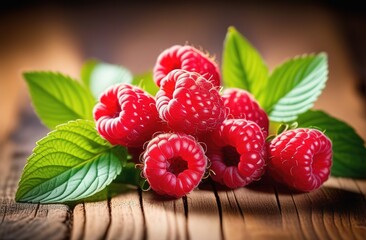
x: 60, y: 38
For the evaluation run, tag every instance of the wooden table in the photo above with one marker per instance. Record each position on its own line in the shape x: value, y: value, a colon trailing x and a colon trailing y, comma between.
x: 263, y: 210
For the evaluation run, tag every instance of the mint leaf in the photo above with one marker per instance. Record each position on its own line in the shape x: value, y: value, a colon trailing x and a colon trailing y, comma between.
x: 130, y: 175
x: 242, y: 65
x: 294, y: 86
x: 349, y: 152
x: 146, y: 82
x: 99, y: 76
x: 70, y: 163
x: 58, y: 98
x: 86, y: 71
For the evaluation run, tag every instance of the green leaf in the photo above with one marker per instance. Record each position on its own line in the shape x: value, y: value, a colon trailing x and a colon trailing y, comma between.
x: 349, y: 152
x: 70, y: 163
x: 86, y: 71
x: 294, y: 86
x: 58, y: 98
x: 99, y: 76
x: 242, y: 65
x: 130, y: 175
x: 146, y: 82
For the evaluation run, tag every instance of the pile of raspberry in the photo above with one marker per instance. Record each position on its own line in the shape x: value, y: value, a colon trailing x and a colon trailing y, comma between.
x: 191, y: 128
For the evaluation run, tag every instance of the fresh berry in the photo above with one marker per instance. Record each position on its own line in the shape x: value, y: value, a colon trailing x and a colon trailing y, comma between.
x: 237, y: 152
x: 126, y: 115
x: 189, y: 103
x: 242, y: 105
x: 301, y: 158
x: 187, y: 58
x: 174, y: 164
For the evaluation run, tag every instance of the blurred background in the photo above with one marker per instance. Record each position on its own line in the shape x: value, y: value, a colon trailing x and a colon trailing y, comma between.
x: 61, y: 35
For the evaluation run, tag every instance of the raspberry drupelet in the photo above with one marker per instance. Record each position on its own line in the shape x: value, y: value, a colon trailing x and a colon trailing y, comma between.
x: 242, y: 105
x: 126, y: 115
x: 174, y: 164
x: 237, y: 152
x: 186, y: 58
x: 300, y: 158
x: 189, y: 103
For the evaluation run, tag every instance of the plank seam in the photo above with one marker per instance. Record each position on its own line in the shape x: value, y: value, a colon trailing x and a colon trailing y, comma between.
x: 84, y: 224
x: 110, y: 218
x: 143, y: 215
x: 314, y: 229
x: 298, y: 217
x: 332, y: 215
x: 238, y: 205
x: 218, y: 202
x: 68, y: 222
x: 185, y: 207
x: 277, y: 200
x: 36, y: 211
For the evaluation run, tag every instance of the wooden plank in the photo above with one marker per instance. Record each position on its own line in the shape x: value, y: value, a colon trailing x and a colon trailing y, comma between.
x: 233, y: 224
x: 165, y: 218
x: 290, y: 217
x: 260, y: 209
x: 127, y: 217
x: 78, y: 222
x: 114, y: 213
x: 92, y: 217
x: 310, y: 214
x: 247, y: 211
x: 204, y: 214
x: 336, y: 211
x: 31, y: 221
x: 97, y: 219
x: 91, y: 220
x: 22, y: 220
x: 356, y: 207
x: 344, y: 210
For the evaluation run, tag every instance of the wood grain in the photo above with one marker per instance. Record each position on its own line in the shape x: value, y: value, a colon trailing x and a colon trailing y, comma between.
x: 127, y: 217
x: 22, y: 220
x: 204, y: 214
x: 164, y: 218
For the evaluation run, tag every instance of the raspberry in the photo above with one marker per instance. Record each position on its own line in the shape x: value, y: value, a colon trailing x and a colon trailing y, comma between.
x: 237, y: 152
x: 174, y: 164
x: 187, y: 58
x: 301, y: 158
x: 189, y: 103
x: 126, y: 115
x: 242, y: 105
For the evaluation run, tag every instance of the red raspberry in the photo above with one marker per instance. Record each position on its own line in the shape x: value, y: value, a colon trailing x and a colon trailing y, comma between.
x: 174, y: 164
x: 189, y: 103
x: 187, y: 58
x: 242, y: 105
x: 126, y: 115
x: 301, y: 158
x: 237, y: 152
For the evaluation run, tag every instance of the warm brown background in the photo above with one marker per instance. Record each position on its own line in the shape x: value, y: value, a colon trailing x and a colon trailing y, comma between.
x: 44, y: 36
